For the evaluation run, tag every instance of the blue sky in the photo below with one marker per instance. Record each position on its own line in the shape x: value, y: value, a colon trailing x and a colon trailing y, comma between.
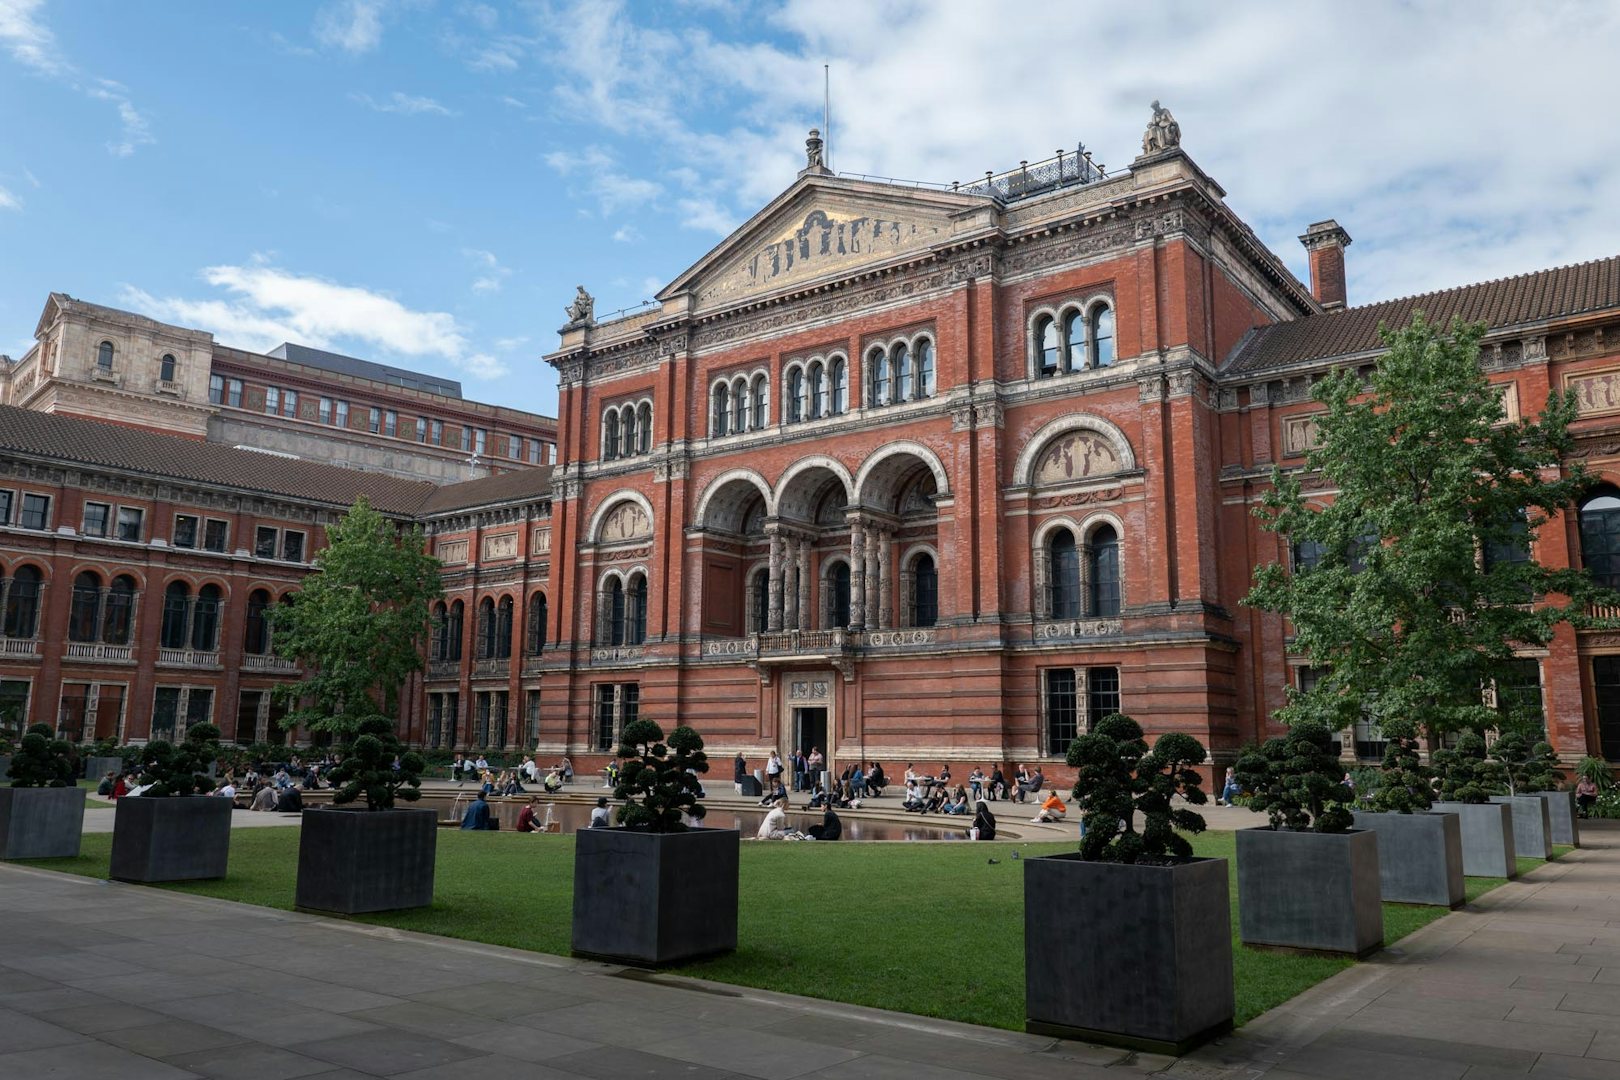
x: 423, y: 182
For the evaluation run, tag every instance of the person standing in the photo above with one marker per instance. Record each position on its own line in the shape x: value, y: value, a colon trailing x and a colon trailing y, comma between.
x: 773, y: 773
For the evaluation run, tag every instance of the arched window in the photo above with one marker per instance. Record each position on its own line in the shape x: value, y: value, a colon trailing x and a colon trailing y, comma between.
x: 627, y: 431
x: 503, y: 629
x: 610, y: 437
x: 166, y: 368
x: 441, y: 631
x: 486, y: 629
x: 536, y: 637
x: 86, y: 609
x: 104, y: 356
x: 1600, y: 536
x: 818, y: 391
x: 880, y: 377
x: 902, y: 374
x: 739, y: 404
x: 925, y: 368
x: 176, y: 612
x: 455, y: 632
x: 644, y: 428
x: 1102, y: 336
x: 22, y: 604
x: 925, y: 585
x: 117, y: 623
x: 839, y: 378
x: 256, y: 630
x: 1063, y: 586
x: 205, y: 619
x: 1046, y: 338
x: 1074, y: 341
x: 762, y: 402
x: 1102, y: 564
x: 838, y: 596
x: 795, y: 395
x: 614, y: 601
x: 722, y: 409
x: 635, y: 615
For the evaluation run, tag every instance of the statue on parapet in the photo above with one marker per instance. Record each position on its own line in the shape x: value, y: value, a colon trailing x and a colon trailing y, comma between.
x: 1163, y: 133
x: 582, y: 312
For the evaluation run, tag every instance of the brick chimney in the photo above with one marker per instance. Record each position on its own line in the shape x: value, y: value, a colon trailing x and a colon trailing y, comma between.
x: 1326, y: 242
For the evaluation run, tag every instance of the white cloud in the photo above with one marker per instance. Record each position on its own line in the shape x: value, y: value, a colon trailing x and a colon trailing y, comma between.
x: 267, y: 305
x: 355, y: 26
x: 514, y: 102
x: 404, y: 104
x: 8, y: 201
x: 626, y: 234
x: 599, y: 174
x: 1377, y: 115
x: 32, y: 44
x: 491, y: 273
x: 507, y: 344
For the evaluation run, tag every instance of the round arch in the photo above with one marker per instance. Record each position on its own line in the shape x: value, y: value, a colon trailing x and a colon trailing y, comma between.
x: 1064, y: 425
x: 594, y: 534
x: 701, y: 517
x: 942, y: 487
x: 808, y: 464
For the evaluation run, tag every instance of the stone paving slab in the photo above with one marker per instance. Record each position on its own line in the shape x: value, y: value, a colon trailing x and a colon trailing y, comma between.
x: 116, y: 981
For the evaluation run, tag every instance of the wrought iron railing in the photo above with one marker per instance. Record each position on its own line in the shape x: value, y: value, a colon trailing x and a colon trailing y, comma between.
x: 1067, y: 169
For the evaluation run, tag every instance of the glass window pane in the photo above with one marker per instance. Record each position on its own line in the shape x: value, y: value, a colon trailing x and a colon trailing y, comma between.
x: 1062, y: 712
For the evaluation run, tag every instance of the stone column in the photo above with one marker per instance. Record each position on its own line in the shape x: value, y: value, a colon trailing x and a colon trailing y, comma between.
x: 790, y: 584
x: 806, y: 618
x: 886, y: 577
x: 1082, y: 603
x: 874, y: 583
x: 774, y: 621
x: 857, y: 574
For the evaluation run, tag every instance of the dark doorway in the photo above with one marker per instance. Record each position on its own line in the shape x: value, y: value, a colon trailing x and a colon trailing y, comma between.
x: 1606, y: 689
x: 810, y: 730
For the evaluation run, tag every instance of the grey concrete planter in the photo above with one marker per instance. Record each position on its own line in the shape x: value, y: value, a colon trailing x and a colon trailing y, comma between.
x: 41, y: 823
x: 1564, y: 815
x: 1312, y: 891
x: 653, y: 899
x: 1135, y: 956
x: 1532, y: 825
x: 354, y: 860
x: 174, y: 838
x: 97, y: 767
x: 1420, y: 859
x: 1487, y: 838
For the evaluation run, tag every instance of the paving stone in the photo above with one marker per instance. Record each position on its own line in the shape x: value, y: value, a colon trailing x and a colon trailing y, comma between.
x: 87, y: 1061
x: 531, y: 1044
x: 247, y: 1060
x: 169, y: 1038
x: 386, y: 1051
x: 622, y: 1063
x: 21, y: 1032
x: 753, y: 1053
x: 494, y: 1067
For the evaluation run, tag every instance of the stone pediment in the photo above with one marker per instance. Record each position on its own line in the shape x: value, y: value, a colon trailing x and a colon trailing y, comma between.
x: 827, y: 227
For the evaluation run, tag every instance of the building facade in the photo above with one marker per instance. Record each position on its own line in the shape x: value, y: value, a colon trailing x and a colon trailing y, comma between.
x: 905, y: 473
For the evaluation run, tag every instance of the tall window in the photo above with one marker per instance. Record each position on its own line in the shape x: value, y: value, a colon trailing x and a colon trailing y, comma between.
x: 486, y: 628
x: 104, y: 356
x: 1600, y: 536
x: 880, y: 377
x: 165, y: 712
x: 535, y: 639
x: 205, y: 619
x: 925, y: 583
x: 644, y: 426
x: 256, y: 631
x: 722, y: 410
x: 233, y: 393
x: 818, y: 391
x: 1307, y: 555
x: 374, y: 420
x: 1046, y: 337
x: 759, y: 599
x: 22, y: 603
x: 185, y: 531
x: 1074, y: 341
x: 902, y: 373
x: 740, y: 412
x: 503, y: 629
x: 1102, y: 336
x: 1102, y: 693
x: 1063, y: 568
x: 1062, y: 710
x: 838, y: 598
x: 272, y: 400
x: 289, y: 403
x: 838, y: 378
x: 615, y: 612
x: 118, y: 622
x: 129, y: 523
x: 605, y: 732
x: 635, y: 615
x: 176, y: 615
x: 166, y: 368
x: 85, y: 612
x: 1606, y: 692
x: 96, y: 518
x: 1518, y: 691
x: 324, y: 411
x: 216, y: 389
x: 1102, y: 556
x: 456, y: 631
x: 341, y: 417
x: 36, y: 511
x: 925, y: 368
x: 610, y: 435
x: 627, y: 432
x: 761, y: 401
x: 438, y: 642
x: 795, y: 395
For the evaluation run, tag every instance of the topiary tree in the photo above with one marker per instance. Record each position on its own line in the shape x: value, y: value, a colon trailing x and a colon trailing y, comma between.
x: 181, y: 770
x: 1297, y: 781
x: 1466, y: 774
x: 659, y: 782
x: 367, y: 768
x: 1119, y: 776
x: 42, y: 761
x: 1530, y: 766
x: 1403, y: 781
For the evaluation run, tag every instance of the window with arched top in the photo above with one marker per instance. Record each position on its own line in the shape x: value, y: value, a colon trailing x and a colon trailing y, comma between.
x: 503, y: 629
x: 439, y: 647
x: 104, y: 356
x: 85, y: 612
x: 1102, y: 577
x: 205, y: 619
x: 739, y: 404
x: 1063, y: 575
x: 455, y: 631
x: 176, y: 615
x: 901, y: 359
x: 1046, y: 338
x: 837, y: 606
x: 759, y: 601
x: 880, y: 377
x: 117, y: 621
x: 644, y: 428
x: 1074, y: 341
x: 613, y: 601
x: 628, y: 437
x: 1600, y: 535
x: 838, y: 380
x: 486, y: 629
x: 166, y: 368
x: 610, y: 435
x: 256, y: 628
x: 1102, y: 336
x: 925, y: 591
x: 635, y: 611
x: 925, y: 368
x: 535, y: 639
x: 761, y: 401
x: 818, y: 391
x: 722, y: 411
x: 794, y: 402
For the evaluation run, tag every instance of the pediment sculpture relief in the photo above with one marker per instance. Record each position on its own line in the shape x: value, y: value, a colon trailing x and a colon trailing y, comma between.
x: 627, y: 521
x: 1074, y: 457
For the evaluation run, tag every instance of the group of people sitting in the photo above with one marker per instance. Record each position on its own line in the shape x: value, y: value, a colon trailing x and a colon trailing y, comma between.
x: 775, y: 825
x: 512, y: 781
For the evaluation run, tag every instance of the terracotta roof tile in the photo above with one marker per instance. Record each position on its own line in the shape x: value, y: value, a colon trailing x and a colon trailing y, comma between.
x: 1528, y: 298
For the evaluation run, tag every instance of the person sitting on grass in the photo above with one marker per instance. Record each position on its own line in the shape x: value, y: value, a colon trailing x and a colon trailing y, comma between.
x: 774, y: 827
x: 1052, y: 809
x: 829, y: 829
x: 290, y: 801
x: 478, y: 818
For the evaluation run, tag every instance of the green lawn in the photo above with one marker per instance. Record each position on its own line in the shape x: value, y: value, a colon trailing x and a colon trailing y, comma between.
x: 933, y: 929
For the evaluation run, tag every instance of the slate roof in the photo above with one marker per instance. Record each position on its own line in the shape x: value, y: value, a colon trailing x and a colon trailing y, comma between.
x: 1561, y: 292
x: 114, y: 446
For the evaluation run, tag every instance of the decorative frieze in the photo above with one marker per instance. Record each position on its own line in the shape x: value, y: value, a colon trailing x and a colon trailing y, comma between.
x: 500, y: 546
x: 451, y: 552
x: 1078, y: 628
x: 617, y: 654
x: 747, y: 646
x: 880, y: 639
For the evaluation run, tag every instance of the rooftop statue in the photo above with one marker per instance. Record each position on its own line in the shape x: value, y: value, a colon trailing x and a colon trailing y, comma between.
x: 1163, y: 133
x: 582, y: 312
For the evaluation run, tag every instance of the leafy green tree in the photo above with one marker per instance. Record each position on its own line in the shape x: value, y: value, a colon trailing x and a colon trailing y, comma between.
x: 1530, y: 766
x: 1423, y: 578
x: 42, y: 761
x: 1403, y: 781
x: 1467, y: 775
x: 358, y: 625
x: 660, y: 782
x: 1297, y: 781
x: 367, y: 769
x: 180, y: 769
x: 1118, y: 777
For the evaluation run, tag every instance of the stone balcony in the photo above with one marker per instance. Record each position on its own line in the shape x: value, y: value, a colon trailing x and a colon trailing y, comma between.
x: 19, y: 648
x: 96, y: 652
x: 441, y: 670
x: 495, y: 667
x: 270, y: 665
x: 189, y: 658
x: 1078, y: 629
